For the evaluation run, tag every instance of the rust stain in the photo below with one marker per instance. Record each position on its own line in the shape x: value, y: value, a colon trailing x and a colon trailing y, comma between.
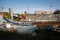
x: 46, y: 23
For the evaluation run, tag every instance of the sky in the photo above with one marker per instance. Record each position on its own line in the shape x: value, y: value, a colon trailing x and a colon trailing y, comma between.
x: 19, y: 6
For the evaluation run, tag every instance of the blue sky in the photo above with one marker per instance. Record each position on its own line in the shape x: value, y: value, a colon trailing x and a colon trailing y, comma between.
x: 19, y: 6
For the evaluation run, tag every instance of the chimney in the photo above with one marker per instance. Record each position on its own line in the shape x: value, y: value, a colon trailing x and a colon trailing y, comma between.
x: 9, y: 10
x: 11, y: 13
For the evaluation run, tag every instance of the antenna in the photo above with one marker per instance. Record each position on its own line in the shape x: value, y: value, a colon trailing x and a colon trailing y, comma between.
x: 1, y: 9
x: 28, y: 9
x: 50, y: 9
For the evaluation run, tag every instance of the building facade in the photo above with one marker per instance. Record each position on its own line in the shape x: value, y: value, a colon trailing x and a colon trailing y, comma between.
x: 42, y: 17
x: 42, y: 12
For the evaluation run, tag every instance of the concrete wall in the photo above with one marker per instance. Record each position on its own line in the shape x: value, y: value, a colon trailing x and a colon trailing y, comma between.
x: 1, y: 19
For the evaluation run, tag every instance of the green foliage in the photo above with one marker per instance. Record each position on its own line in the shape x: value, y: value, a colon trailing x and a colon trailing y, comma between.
x: 17, y: 14
x: 7, y: 16
x: 57, y: 12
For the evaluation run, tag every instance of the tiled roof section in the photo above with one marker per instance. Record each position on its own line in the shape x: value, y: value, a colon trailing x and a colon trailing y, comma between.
x: 4, y: 13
